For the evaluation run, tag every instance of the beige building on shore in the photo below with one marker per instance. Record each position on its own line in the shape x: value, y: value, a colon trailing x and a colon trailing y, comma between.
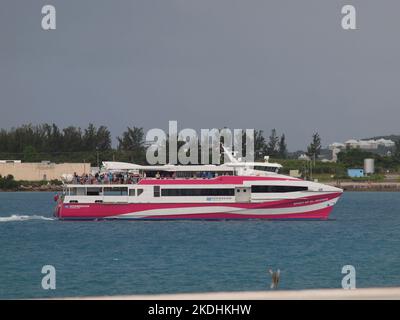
x: 41, y: 170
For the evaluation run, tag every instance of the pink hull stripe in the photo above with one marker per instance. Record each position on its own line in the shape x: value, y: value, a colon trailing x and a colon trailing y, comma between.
x: 322, y: 214
x: 103, y: 210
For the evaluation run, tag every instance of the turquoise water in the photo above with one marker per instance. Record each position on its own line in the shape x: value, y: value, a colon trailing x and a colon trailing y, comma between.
x: 130, y: 257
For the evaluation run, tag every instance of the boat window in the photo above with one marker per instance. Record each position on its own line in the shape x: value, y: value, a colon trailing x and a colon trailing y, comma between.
x: 268, y: 169
x: 78, y: 191
x: 115, y: 191
x: 197, y: 192
x: 132, y: 192
x: 273, y: 189
x: 139, y: 192
x: 91, y: 191
x: 156, y: 191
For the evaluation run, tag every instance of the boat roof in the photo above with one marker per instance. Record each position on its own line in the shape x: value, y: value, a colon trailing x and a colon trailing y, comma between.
x: 124, y: 166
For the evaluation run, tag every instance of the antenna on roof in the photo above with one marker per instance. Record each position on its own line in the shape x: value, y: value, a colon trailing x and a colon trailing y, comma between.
x: 230, y: 154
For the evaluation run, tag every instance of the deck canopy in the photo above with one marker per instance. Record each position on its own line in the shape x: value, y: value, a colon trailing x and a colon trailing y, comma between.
x: 230, y: 168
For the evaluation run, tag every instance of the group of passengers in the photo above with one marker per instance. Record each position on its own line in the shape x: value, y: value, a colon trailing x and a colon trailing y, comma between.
x: 106, y: 178
x: 130, y: 178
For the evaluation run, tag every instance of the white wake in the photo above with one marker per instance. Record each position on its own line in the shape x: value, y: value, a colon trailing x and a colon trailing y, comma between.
x: 18, y: 217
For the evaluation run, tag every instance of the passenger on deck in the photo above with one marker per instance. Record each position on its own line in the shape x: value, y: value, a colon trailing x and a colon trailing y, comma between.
x: 75, y: 178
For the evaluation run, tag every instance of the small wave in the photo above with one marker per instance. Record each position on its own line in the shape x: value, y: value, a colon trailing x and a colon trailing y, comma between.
x: 17, y: 217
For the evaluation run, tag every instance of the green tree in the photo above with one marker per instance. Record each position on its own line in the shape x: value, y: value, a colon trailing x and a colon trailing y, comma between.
x: 396, y: 154
x: 72, y: 137
x: 132, y: 144
x: 260, y: 145
x: 8, y: 183
x: 54, y: 138
x: 272, y: 146
x: 90, y: 138
x: 103, y: 139
x: 29, y: 154
x: 282, y: 148
x: 314, y: 149
x: 354, y: 157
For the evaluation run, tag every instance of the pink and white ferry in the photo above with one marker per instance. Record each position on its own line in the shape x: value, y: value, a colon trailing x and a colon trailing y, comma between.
x: 234, y: 190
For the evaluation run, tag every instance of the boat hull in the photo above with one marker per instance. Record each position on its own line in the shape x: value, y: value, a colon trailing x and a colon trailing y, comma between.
x: 312, y: 207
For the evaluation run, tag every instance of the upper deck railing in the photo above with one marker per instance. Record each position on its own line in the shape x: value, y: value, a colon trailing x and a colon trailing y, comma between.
x: 111, y: 179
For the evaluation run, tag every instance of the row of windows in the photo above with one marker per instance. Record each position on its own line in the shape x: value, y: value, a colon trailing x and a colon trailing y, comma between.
x: 123, y: 191
x: 224, y: 192
x: 106, y: 191
x: 272, y: 189
x: 196, y: 192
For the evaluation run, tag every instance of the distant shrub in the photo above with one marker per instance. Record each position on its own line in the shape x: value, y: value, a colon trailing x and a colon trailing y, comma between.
x: 56, y: 182
x: 8, y: 183
x: 374, y: 177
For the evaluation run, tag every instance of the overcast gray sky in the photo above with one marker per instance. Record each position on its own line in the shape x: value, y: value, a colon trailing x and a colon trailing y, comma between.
x: 206, y: 63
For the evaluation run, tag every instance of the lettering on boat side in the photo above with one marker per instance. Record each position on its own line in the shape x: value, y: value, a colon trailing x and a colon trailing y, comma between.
x: 75, y: 206
x: 218, y: 198
x: 298, y: 203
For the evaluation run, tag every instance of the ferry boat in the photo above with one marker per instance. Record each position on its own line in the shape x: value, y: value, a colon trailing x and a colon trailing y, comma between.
x: 234, y: 190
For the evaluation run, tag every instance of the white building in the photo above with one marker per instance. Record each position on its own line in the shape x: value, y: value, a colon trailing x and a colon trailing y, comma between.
x: 337, y: 145
x: 387, y: 143
x: 363, y: 144
x: 369, y: 145
x: 303, y: 157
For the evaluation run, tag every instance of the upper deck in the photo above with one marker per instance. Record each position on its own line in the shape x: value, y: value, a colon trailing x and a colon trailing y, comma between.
x: 127, y: 173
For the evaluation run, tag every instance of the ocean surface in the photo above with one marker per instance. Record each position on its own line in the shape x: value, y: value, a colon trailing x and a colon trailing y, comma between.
x: 143, y: 257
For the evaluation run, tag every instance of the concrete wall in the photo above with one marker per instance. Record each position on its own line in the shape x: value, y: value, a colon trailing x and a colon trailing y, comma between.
x: 42, y: 171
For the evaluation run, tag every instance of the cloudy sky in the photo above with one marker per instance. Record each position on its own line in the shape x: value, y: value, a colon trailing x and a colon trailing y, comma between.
x: 284, y: 64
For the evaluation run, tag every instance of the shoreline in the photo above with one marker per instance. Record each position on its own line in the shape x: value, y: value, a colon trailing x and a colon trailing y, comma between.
x: 367, y: 186
x: 35, y: 189
x: 388, y: 293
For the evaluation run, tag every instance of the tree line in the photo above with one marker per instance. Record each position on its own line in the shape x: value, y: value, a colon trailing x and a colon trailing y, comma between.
x: 32, y: 143
x: 35, y: 143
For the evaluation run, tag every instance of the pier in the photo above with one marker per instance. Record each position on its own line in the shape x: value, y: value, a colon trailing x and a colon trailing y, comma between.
x: 367, y: 186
